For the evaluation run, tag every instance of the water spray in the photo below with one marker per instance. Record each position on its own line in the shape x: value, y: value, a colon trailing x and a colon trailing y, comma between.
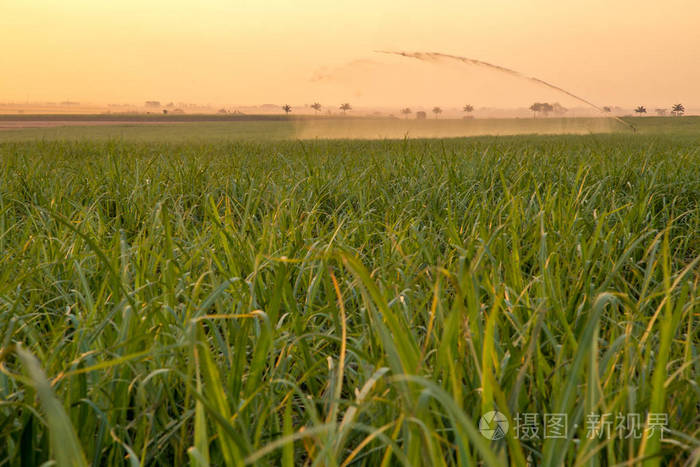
x: 437, y: 57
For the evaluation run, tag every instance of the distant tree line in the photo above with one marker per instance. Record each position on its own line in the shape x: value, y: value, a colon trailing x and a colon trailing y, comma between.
x: 677, y: 110
x: 317, y: 107
x: 538, y: 108
x: 545, y: 108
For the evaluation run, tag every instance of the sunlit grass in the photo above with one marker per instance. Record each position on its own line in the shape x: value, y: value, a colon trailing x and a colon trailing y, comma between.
x: 348, y: 302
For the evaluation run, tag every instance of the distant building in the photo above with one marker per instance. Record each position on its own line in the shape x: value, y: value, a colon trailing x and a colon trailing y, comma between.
x: 420, y: 115
x: 152, y: 104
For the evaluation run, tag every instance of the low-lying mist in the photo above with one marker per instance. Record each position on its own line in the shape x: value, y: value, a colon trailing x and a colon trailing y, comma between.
x: 387, y: 128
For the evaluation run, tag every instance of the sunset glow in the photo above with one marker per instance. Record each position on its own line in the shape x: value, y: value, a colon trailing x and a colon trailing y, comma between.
x: 250, y: 52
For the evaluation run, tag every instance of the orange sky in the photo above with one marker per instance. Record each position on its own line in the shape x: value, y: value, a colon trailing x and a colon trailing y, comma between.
x: 613, y: 52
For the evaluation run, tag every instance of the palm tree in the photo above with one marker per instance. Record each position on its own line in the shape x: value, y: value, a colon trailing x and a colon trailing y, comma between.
x: 316, y: 106
x: 641, y: 110
x: 437, y: 111
x: 287, y: 108
x: 468, y: 108
x: 406, y: 111
x: 678, y: 110
x: 344, y: 107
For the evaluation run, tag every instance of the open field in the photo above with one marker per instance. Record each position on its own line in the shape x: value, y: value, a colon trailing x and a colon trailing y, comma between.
x: 209, y: 128
x: 211, y: 293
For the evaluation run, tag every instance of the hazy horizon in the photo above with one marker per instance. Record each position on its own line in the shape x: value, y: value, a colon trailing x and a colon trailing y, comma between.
x: 215, y: 53
x: 450, y: 111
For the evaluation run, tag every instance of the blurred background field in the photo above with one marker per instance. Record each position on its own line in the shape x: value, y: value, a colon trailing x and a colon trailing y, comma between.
x: 202, y: 128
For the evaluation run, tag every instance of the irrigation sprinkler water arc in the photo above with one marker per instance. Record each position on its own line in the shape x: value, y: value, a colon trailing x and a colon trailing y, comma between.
x: 437, y: 57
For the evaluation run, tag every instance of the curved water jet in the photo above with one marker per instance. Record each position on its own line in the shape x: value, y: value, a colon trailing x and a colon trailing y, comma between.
x: 437, y: 57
